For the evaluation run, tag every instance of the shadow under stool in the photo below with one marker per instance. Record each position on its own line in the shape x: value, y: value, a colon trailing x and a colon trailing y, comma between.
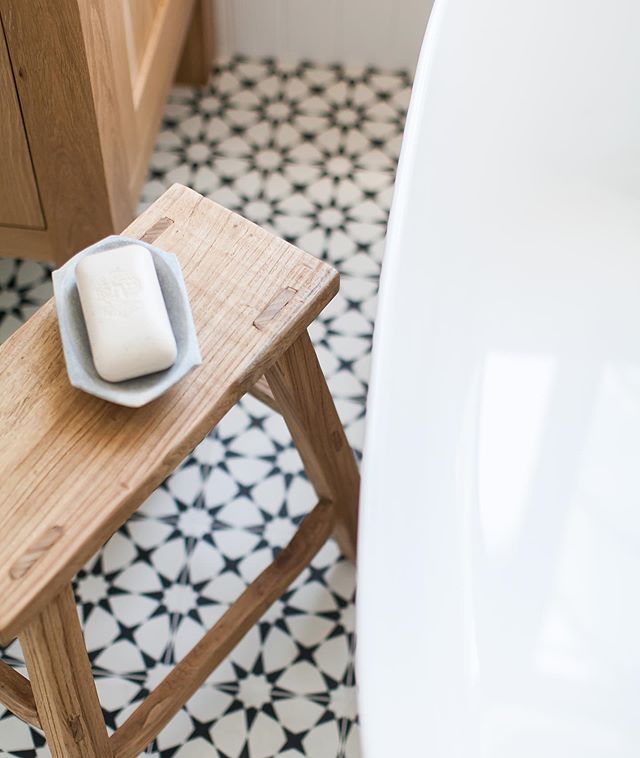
x: 73, y: 467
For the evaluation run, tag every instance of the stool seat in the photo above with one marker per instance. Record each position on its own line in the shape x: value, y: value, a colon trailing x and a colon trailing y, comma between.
x: 73, y: 467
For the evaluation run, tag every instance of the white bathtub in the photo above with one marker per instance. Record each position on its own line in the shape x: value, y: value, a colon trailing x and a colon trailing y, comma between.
x: 499, y: 556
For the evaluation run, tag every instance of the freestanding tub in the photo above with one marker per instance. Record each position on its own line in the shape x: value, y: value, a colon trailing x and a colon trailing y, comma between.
x: 499, y: 563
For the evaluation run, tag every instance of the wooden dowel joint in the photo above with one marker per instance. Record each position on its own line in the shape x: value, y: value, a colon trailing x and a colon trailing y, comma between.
x: 35, y: 551
x: 274, y: 307
x: 155, y: 230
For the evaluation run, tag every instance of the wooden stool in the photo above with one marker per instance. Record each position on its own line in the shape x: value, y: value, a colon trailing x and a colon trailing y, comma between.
x: 73, y: 468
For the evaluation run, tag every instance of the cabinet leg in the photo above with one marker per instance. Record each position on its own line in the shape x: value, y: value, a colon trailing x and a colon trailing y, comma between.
x: 62, y: 682
x: 300, y: 390
x: 197, y: 54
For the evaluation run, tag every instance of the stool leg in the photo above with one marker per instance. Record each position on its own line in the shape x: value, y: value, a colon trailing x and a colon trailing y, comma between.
x: 62, y: 682
x: 300, y: 390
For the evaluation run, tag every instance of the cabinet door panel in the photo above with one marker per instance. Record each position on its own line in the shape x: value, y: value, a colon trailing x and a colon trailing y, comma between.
x: 155, y: 34
x: 19, y: 202
x: 133, y: 48
x: 139, y: 19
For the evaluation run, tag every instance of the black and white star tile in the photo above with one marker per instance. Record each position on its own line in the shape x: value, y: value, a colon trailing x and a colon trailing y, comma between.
x: 308, y: 152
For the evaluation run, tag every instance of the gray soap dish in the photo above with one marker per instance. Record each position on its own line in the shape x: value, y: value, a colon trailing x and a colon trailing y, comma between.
x: 75, y: 341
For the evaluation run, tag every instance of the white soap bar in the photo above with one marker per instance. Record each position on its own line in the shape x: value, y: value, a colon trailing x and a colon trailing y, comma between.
x: 126, y: 316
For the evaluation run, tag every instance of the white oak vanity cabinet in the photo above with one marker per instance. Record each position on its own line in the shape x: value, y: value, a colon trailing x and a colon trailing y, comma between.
x: 82, y: 90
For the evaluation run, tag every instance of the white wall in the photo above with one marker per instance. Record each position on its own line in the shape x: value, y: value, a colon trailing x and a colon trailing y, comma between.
x: 383, y: 33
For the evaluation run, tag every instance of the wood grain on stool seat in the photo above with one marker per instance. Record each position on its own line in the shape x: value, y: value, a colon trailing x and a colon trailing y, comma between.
x: 73, y: 468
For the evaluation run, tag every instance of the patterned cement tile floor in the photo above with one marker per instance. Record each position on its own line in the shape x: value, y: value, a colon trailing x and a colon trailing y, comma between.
x: 310, y: 153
